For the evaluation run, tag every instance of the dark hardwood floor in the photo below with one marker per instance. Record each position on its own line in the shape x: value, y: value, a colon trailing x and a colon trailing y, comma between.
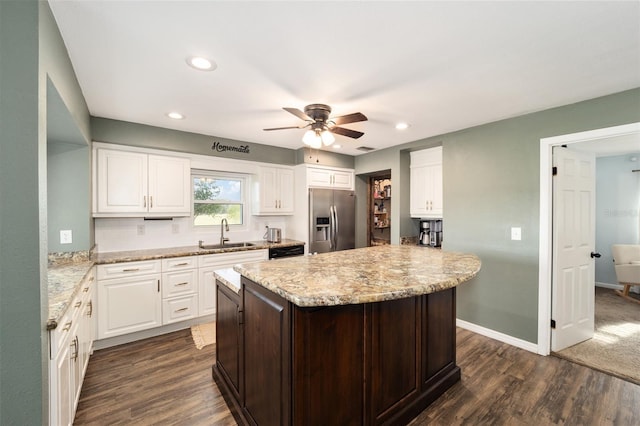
x: 166, y: 380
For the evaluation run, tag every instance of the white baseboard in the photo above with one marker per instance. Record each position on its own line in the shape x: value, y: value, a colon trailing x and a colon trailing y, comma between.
x: 607, y: 285
x: 152, y: 332
x: 496, y: 335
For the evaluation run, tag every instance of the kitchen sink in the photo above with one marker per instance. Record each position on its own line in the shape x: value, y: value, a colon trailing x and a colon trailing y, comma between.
x: 226, y: 245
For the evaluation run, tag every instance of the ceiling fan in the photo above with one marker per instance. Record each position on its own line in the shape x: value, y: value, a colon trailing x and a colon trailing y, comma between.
x: 317, y: 117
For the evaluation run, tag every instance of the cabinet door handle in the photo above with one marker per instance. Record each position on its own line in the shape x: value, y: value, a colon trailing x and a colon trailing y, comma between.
x: 131, y: 270
x: 145, y: 201
x: 181, y: 310
x: 76, y: 348
x: 179, y: 284
x: 151, y: 201
x: 90, y: 313
x: 158, y: 286
x: 86, y: 289
x: 67, y: 326
x: 181, y: 264
x: 78, y: 304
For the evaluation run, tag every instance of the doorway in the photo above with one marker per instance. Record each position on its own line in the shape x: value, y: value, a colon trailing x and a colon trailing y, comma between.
x: 546, y: 248
x: 379, y: 209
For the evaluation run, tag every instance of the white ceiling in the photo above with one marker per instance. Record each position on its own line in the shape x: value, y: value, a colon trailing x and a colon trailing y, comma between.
x: 440, y: 66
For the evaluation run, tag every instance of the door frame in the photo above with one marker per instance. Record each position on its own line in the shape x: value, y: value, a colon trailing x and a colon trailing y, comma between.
x: 545, y: 250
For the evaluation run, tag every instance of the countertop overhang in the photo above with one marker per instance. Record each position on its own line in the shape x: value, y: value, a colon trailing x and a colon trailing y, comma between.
x: 365, y: 275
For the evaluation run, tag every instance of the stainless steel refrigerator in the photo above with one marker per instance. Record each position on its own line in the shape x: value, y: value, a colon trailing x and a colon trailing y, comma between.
x: 332, y: 220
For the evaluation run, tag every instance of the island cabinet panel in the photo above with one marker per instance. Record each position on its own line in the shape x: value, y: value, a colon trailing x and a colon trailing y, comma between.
x: 266, y: 396
x: 378, y: 363
x: 229, y: 338
x: 395, y: 356
x: 328, y: 365
x: 439, y: 331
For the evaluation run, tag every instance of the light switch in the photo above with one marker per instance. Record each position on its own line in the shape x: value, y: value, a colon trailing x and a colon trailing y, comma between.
x: 516, y: 234
x: 66, y: 236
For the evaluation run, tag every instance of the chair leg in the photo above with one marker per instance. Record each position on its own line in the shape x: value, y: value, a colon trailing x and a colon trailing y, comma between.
x: 625, y: 293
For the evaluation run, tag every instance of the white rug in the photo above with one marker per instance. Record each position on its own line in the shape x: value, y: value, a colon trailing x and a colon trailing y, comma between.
x: 204, y: 334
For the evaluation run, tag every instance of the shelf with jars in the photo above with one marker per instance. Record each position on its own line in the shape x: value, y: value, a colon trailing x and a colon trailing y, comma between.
x: 380, y: 210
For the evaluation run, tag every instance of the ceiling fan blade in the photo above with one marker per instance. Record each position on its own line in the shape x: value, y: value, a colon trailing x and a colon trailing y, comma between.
x: 346, y: 132
x: 349, y: 118
x: 283, y: 128
x: 301, y: 115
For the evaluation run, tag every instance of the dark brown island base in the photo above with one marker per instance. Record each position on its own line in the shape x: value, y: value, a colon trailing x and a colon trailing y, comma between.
x: 357, y: 337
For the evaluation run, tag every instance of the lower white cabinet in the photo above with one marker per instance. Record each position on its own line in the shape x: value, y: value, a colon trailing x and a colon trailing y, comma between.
x: 179, y: 289
x: 209, y: 263
x: 129, y: 297
x: 70, y: 345
x: 137, y: 296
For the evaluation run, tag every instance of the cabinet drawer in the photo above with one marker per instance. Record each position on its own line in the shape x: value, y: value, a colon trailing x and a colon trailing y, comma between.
x: 61, y: 333
x: 226, y: 260
x: 179, y: 308
x: 179, y: 263
x: 178, y: 283
x: 128, y: 269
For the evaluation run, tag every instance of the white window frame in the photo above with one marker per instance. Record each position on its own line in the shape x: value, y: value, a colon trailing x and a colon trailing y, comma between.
x: 216, y: 174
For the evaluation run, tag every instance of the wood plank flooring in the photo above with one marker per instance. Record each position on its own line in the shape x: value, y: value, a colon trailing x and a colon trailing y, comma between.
x: 166, y: 380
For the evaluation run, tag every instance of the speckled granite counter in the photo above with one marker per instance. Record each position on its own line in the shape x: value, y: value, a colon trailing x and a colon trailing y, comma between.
x: 365, y: 275
x: 230, y: 279
x: 164, y: 253
x: 64, y: 284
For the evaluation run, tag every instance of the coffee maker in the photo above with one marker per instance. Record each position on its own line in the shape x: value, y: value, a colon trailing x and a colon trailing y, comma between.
x: 435, y: 233
x: 423, y: 237
x: 430, y: 233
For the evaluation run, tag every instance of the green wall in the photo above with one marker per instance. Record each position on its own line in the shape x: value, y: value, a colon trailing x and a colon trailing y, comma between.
x: 31, y: 53
x: 491, y: 183
x: 68, y: 200
x: 145, y: 136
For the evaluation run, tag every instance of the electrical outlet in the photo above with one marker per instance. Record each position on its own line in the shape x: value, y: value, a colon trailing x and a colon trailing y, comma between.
x: 140, y: 229
x: 516, y: 234
x: 66, y: 236
x: 175, y: 228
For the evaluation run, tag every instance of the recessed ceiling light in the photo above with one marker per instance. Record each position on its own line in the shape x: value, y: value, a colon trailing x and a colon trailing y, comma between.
x: 200, y: 63
x: 402, y: 126
x: 337, y: 146
x: 175, y: 115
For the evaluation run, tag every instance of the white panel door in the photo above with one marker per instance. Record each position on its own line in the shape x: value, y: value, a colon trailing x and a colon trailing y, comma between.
x: 573, y: 280
x: 122, y: 182
x: 169, y: 185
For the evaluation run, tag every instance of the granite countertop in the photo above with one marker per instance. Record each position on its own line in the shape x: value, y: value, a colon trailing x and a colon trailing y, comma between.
x: 230, y: 279
x: 66, y: 271
x: 364, y: 275
x: 64, y: 284
x: 164, y: 253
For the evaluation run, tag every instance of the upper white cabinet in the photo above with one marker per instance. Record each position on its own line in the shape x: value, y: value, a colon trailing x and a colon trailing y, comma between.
x: 426, y: 183
x: 273, y: 191
x: 321, y: 177
x: 132, y: 184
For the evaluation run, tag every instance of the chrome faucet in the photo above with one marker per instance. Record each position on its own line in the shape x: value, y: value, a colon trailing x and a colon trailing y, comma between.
x: 222, y: 229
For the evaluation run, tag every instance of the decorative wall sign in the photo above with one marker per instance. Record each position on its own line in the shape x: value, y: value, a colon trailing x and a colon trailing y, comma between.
x: 217, y: 146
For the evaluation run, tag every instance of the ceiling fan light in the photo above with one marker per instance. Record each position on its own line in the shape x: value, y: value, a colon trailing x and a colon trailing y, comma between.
x: 309, y: 137
x: 327, y: 137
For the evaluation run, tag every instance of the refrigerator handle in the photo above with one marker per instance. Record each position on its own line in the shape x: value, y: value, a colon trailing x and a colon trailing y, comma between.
x: 335, y: 227
x: 331, y: 232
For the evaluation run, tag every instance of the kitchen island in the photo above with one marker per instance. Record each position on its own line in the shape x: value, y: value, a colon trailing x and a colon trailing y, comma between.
x: 364, y: 336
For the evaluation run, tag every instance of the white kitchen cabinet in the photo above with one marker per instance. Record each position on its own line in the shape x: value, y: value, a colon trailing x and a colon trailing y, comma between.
x: 426, y: 184
x: 179, y: 289
x: 209, y: 263
x: 135, y: 184
x: 273, y: 191
x: 70, y: 346
x: 324, y: 177
x: 129, y: 297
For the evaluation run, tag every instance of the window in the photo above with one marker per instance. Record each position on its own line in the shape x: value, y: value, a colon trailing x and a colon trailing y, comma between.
x: 217, y: 196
